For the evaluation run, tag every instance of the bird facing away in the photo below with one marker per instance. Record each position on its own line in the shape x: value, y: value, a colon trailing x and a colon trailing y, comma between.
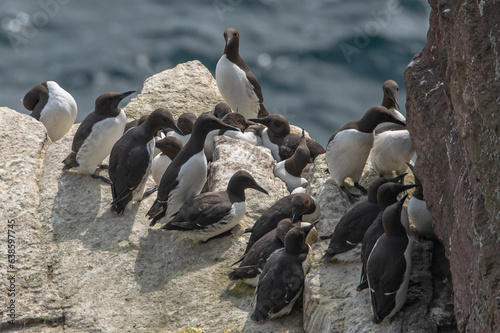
x: 387, y: 195
x: 131, y: 158
x: 353, y: 225
x: 53, y: 106
x: 282, y: 279
x: 236, y: 82
x: 97, y: 134
x: 389, y: 265
x: 281, y: 142
x: 214, y: 213
x: 186, y: 175
x: 349, y: 147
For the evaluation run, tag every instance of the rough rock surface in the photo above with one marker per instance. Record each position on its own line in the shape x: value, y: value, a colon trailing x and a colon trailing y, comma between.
x: 188, y: 87
x: 453, y: 88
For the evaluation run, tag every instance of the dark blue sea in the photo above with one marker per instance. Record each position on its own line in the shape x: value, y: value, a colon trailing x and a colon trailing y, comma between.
x: 321, y: 63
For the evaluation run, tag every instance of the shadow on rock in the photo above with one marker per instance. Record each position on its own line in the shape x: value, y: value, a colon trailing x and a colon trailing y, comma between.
x: 163, y: 256
x: 75, y: 206
x: 109, y: 229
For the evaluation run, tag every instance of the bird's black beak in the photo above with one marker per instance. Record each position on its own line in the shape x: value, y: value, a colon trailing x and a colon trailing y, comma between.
x: 396, y: 102
x: 259, y: 188
x: 177, y: 129
x: 231, y: 128
x: 127, y: 93
x: 399, y: 178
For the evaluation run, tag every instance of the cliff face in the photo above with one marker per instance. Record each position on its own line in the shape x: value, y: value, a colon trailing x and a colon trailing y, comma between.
x: 453, y: 89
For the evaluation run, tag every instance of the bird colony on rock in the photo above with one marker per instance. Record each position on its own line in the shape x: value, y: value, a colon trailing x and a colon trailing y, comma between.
x: 176, y: 154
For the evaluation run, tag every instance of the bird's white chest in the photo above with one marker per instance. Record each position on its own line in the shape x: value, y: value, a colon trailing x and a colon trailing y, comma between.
x: 235, y: 88
x: 160, y: 164
x: 347, y: 153
x: 266, y: 142
x: 59, y: 113
x: 99, y: 143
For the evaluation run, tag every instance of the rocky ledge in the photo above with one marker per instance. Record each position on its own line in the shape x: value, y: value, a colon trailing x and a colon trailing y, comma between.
x: 80, y: 268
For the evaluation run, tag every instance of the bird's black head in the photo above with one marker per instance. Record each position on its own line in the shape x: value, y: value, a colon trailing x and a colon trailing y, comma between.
x: 107, y: 104
x: 242, y: 180
x: 390, y: 88
x: 186, y: 122
x: 302, y: 203
x: 277, y: 124
x: 221, y: 110
x: 232, y: 38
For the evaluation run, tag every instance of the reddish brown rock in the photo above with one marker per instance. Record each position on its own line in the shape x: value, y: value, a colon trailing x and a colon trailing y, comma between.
x: 453, y: 111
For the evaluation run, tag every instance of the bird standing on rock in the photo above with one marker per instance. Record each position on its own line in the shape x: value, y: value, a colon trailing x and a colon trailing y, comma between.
x: 392, y: 145
x: 169, y: 146
x: 236, y: 82
x: 353, y: 225
x: 292, y: 206
x: 213, y: 213
x: 281, y: 142
x: 53, y: 106
x: 282, y: 280
x: 349, y: 147
x: 131, y: 158
x: 387, y: 195
x: 389, y: 265
x: 97, y: 134
x: 290, y: 170
x: 186, y: 175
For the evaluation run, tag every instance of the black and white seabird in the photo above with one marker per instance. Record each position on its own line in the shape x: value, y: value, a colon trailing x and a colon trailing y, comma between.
x: 237, y: 121
x: 419, y: 214
x: 290, y: 170
x: 292, y: 206
x: 236, y: 82
x: 387, y: 195
x: 353, y: 225
x: 53, y: 106
x: 97, y: 134
x: 253, y: 262
x: 392, y: 145
x: 131, y: 158
x: 185, y: 123
x: 349, y: 147
x: 213, y: 213
x: 280, y: 141
x: 169, y: 147
x: 389, y: 265
x: 186, y: 175
x: 282, y: 279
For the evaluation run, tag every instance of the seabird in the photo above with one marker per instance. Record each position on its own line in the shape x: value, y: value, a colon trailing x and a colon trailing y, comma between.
x: 387, y: 195
x: 131, y: 158
x: 353, y: 225
x: 418, y: 212
x: 290, y: 170
x: 53, y: 106
x: 280, y: 141
x: 169, y: 147
x: 349, y: 147
x: 97, y: 134
x: 236, y: 82
x: 292, y: 206
x: 214, y: 213
x: 282, y: 279
x: 389, y: 265
x: 186, y: 175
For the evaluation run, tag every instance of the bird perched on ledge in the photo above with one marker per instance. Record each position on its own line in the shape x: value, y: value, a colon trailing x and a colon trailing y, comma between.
x: 131, y: 158
x: 349, y: 147
x: 53, y: 106
x: 236, y: 82
x: 213, y: 213
x: 97, y: 134
x: 186, y: 175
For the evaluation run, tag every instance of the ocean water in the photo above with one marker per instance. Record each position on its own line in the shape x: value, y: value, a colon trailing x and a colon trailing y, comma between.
x: 321, y: 63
